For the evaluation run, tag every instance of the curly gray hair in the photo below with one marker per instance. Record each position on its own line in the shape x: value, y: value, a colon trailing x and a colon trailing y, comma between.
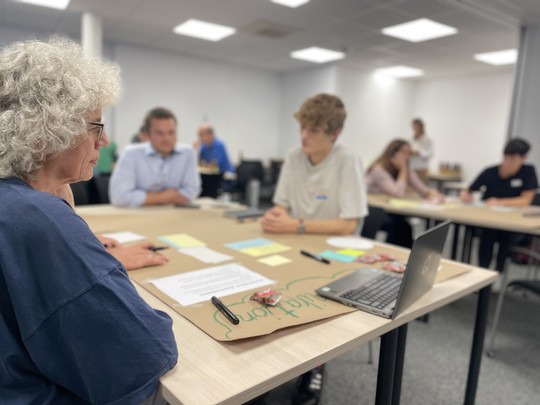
x: 46, y: 91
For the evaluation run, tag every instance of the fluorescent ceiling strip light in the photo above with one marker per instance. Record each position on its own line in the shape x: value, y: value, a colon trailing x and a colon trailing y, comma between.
x: 204, y: 30
x: 497, y: 58
x: 317, y: 55
x: 291, y: 3
x: 56, y: 4
x: 399, y: 72
x: 419, y: 30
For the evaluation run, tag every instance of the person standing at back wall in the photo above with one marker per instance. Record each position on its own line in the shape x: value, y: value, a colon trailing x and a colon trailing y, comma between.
x: 421, y: 150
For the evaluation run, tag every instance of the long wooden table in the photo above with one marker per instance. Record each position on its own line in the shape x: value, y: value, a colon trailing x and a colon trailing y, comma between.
x: 462, y: 215
x: 213, y: 372
x: 440, y: 179
x: 467, y: 214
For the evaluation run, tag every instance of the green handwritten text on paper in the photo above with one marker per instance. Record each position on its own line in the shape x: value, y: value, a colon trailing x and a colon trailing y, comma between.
x: 291, y: 310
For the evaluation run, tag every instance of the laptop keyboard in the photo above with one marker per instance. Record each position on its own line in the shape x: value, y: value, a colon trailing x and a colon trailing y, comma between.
x: 377, y: 293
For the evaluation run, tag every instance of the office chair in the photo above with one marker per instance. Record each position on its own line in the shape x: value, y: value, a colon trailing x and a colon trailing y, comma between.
x: 249, y: 171
x: 102, y: 184
x: 533, y: 285
x: 80, y: 193
x: 373, y: 222
x: 275, y: 169
x: 210, y: 184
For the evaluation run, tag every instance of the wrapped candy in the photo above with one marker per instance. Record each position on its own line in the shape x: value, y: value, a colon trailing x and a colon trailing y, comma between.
x: 394, y: 266
x: 370, y: 259
x: 267, y: 297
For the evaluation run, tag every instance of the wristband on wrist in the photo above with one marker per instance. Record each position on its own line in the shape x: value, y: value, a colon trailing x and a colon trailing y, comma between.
x: 301, y: 227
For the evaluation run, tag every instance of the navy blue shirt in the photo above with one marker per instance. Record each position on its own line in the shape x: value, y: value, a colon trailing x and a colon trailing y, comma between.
x: 495, y: 186
x: 73, y: 329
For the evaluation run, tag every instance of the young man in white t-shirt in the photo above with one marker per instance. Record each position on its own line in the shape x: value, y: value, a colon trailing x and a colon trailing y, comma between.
x: 321, y: 186
x: 321, y: 189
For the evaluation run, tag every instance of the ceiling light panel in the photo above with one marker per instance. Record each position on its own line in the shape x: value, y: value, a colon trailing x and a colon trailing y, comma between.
x: 498, y: 58
x: 399, y: 72
x: 56, y: 4
x: 204, y: 30
x: 291, y: 3
x: 419, y: 30
x: 317, y: 55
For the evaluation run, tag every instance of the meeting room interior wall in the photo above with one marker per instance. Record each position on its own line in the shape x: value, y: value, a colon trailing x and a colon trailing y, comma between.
x: 243, y: 104
x: 467, y: 117
x: 377, y: 111
x: 9, y: 34
x: 295, y: 88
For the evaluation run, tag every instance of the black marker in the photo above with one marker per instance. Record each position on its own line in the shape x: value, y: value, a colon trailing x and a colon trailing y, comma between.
x: 156, y: 248
x: 225, y: 311
x: 315, y: 257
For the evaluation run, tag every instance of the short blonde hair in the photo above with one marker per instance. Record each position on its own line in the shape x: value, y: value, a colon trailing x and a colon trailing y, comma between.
x: 47, y: 88
x: 322, y: 110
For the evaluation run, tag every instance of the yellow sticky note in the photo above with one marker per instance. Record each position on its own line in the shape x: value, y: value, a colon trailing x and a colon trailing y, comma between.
x: 264, y: 250
x: 351, y: 252
x: 275, y: 260
x: 402, y: 203
x: 181, y: 241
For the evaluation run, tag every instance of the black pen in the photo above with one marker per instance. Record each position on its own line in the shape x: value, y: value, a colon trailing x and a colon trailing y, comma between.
x: 156, y: 248
x: 225, y: 311
x: 316, y: 257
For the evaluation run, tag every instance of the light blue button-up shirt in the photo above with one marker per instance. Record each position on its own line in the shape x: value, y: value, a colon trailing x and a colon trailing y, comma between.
x: 142, y: 169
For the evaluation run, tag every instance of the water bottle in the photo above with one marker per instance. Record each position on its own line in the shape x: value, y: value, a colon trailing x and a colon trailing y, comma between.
x: 253, y: 190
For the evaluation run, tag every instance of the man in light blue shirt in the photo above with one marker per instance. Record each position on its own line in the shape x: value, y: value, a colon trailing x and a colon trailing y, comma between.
x: 160, y: 171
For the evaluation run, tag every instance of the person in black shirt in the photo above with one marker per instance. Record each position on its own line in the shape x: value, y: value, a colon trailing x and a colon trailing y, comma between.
x: 513, y: 184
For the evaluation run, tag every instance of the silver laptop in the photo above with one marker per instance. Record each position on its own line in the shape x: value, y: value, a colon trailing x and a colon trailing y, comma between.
x: 384, y: 293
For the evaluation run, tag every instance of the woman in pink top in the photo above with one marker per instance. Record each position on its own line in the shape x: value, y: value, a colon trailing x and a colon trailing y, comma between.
x: 390, y: 174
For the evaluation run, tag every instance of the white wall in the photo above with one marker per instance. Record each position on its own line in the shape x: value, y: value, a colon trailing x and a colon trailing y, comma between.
x: 295, y: 88
x: 243, y: 104
x: 467, y: 117
x: 252, y: 109
x: 377, y: 112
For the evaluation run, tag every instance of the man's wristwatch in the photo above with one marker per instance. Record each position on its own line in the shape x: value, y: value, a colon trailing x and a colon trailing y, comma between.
x: 300, y: 228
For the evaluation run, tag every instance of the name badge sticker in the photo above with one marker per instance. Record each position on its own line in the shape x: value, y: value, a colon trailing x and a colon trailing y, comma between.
x: 516, y: 183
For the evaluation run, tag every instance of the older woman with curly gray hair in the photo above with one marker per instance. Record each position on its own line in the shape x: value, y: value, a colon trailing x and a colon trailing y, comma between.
x: 74, y: 329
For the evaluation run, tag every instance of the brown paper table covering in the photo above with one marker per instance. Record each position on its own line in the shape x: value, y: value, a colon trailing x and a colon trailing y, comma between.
x: 296, y: 280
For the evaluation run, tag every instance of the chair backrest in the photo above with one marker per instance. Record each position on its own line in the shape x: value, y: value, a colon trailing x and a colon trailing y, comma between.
x: 80, y: 193
x: 373, y: 222
x: 275, y: 169
x: 536, y: 199
x: 102, y: 184
x: 210, y: 184
x: 247, y: 170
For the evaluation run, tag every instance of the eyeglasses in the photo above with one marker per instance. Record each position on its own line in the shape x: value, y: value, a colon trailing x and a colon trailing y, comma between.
x: 100, y: 127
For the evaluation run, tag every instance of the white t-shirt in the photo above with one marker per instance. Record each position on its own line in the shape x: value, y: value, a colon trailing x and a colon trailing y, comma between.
x: 333, y: 188
x: 424, y: 146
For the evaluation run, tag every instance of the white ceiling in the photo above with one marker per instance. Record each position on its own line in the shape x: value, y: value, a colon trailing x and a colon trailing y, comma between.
x: 350, y: 25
